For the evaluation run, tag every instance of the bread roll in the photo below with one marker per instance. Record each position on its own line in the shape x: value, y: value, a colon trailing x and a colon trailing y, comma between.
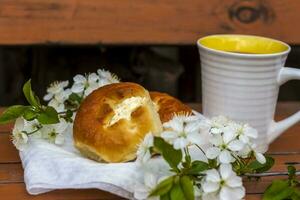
x: 113, y: 120
x: 167, y: 106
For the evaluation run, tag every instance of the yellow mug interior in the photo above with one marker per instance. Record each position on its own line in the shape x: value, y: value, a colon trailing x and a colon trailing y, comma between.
x: 244, y: 44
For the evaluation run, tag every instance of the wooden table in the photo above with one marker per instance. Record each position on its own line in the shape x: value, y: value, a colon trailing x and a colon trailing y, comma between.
x: 285, y: 149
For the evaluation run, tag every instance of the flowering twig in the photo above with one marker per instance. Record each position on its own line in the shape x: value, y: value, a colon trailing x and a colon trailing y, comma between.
x: 266, y: 174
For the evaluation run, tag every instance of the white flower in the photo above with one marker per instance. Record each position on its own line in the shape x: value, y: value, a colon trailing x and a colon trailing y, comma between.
x: 142, y: 191
x: 223, y: 184
x: 85, y: 85
x: 30, y: 126
x: 249, y: 149
x: 223, y: 146
x: 55, y: 88
x: 106, y: 77
x: 244, y: 132
x: 19, y: 137
x: 143, y: 152
x: 58, y: 100
x: 180, y: 132
x: 54, y: 132
x: 219, y: 121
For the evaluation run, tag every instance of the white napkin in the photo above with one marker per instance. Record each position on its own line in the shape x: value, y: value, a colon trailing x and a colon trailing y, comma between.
x: 48, y: 167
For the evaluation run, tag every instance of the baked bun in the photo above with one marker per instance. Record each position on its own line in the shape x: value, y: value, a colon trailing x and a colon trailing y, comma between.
x: 113, y: 120
x: 167, y: 106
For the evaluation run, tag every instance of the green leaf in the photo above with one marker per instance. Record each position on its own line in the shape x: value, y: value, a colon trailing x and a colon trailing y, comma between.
x: 278, y: 190
x: 48, y: 116
x: 187, y: 187
x: 68, y: 116
x: 75, y: 98
x: 198, y: 167
x: 30, y: 96
x: 171, y: 155
x: 165, y: 196
x: 259, y: 168
x: 187, y: 162
x: 176, y: 192
x: 163, y: 187
x: 296, y: 194
x: 30, y: 114
x: 12, y: 113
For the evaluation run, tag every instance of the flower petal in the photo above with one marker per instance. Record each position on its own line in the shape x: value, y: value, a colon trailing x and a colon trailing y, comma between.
x: 216, y: 140
x: 260, y: 157
x: 216, y: 130
x: 225, y: 171
x: 209, y: 187
x: 146, y: 157
x: 213, y: 175
x: 19, y: 124
x: 177, y: 124
x: 250, y: 132
x: 79, y: 79
x: 48, y: 97
x: 210, y: 196
x: 192, y: 127
x: 225, y: 157
x: 229, y: 134
x: 234, y: 181
x: 228, y: 193
x: 236, y: 145
x: 244, y: 138
x: 195, y: 138
x: 213, y: 152
x: 245, y: 151
x: 148, y: 140
x: 64, y: 84
x: 93, y: 77
x: 180, y: 143
x: 88, y: 91
x: 169, y: 135
x: 77, y: 88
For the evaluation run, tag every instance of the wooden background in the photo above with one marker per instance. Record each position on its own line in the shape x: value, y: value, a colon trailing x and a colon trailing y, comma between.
x: 143, y: 21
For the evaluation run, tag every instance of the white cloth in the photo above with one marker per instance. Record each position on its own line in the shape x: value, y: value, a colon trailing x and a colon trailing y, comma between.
x: 48, y: 167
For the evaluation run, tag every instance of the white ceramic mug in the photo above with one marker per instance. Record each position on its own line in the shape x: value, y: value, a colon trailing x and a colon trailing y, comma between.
x: 241, y: 75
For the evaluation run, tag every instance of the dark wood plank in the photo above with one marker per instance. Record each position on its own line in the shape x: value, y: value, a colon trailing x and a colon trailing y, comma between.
x: 17, y: 191
x: 9, y: 153
x: 11, y: 173
x: 254, y: 197
x: 143, y: 22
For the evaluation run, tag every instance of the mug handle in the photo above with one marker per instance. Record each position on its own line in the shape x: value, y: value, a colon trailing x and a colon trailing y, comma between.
x: 285, y: 74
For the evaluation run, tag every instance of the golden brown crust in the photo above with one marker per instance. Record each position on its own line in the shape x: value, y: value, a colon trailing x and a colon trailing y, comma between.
x: 167, y: 106
x: 98, y: 138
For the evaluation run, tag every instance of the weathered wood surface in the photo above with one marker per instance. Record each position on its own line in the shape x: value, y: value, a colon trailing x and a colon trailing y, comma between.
x: 143, y: 21
x: 285, y: 149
